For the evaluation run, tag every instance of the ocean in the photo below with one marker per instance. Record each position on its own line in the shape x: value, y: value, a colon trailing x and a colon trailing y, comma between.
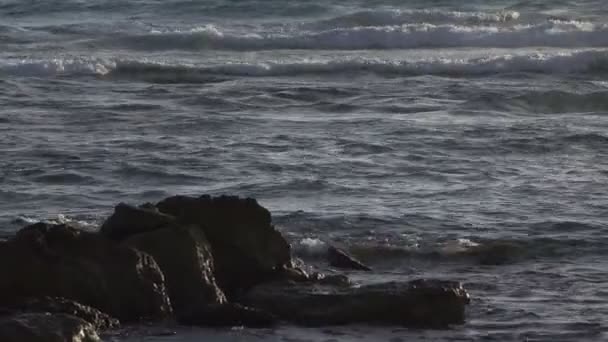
x: 463, y: 140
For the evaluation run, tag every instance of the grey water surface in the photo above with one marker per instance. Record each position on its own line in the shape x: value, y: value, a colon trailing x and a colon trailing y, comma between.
x: 411, y: 131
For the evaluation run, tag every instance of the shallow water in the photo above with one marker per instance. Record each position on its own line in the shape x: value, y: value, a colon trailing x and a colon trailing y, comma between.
x: 462, y: 140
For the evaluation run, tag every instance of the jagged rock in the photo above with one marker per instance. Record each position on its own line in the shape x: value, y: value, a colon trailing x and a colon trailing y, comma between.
x: 227, y: 315
x: 341, y: 259
x: 420, y: 303
x: 44, y: 327
x: 63, y: 261
x: 183, y: 254
x: 53, y: 305
x: 128, y: 220
x: 291, y: 273
x: 247, y: 249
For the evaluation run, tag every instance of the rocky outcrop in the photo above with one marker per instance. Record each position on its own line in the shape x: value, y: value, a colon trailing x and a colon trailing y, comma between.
x: 220, y: 260
x: 128, y: 220
x: 44, y: 327
x: 62, y: 261
x: 247, y: 249
x: 184, y: 255
x: 420, y: 303
x: 341, y: 259
x: 98, y: 319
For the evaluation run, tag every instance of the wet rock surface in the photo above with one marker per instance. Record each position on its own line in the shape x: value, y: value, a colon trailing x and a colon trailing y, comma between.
x: 129, y: 220
x: 246, y: 246
x: 420, y: 303
x: 54, y: 305
x: 45, y: 327
x: 63, y: 261
x: 184, y: 256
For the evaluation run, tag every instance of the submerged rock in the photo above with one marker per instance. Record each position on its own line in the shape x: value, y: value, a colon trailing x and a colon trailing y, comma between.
x: 247, y: 249
x: 44, y: 327
x: 54, y: 305
x: 227, y: 315
x: 498, y: 253
x: 298, y: 275
x: 63, y: 261
x: 420, y: 303
x: 341, y: 259
x: 184, y: 255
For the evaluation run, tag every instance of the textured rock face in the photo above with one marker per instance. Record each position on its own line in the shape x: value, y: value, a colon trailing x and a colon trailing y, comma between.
x: 246, y: 247
x: 42, y: 327
x: 128, y: 220
x: 183, y: 254
x: 220, y: 261
x: 62, y: 261
x: 54, y: 305
x: 420, y: 303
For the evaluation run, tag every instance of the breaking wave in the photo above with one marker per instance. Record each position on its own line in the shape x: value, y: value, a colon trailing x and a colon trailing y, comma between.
x: 581, y: 62
x: 407, y: 36
x: 400, y: 17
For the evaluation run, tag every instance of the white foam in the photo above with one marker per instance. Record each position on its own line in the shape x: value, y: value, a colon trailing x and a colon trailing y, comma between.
x: 23, y: 219
x: 63, y: 219
x: 457, y: 246
x: 57, y: 66
x: 310, y: 247
x: 58, y: 219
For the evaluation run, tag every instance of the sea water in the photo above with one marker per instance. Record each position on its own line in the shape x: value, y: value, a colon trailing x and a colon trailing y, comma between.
x: 464, y: 140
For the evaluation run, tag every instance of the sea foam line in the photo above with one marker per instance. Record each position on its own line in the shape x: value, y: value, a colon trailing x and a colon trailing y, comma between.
x: 566, y: 34
x: 587, y: 61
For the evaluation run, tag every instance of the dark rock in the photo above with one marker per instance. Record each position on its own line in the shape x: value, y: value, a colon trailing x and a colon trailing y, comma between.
x: 44, y: 327
x: 227, y: 315
x: 184, y: 256
x: 128, y: 220
x: 291, y: 273
x: 420, y: 303
x: 247, y: 249
x: 97, y: 318
x: 62, y: 261
x: 340, y: 259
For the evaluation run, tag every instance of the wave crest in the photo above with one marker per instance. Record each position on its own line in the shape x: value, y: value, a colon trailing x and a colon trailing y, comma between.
x: 400, y: 17
x: 581, y: 62
x: 407, y: 36
x: 565, y: 63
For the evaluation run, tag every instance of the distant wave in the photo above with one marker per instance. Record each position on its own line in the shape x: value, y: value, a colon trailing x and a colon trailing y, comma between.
x: 409, y: 36
x: 581, y: 62
x: 400, y: 17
